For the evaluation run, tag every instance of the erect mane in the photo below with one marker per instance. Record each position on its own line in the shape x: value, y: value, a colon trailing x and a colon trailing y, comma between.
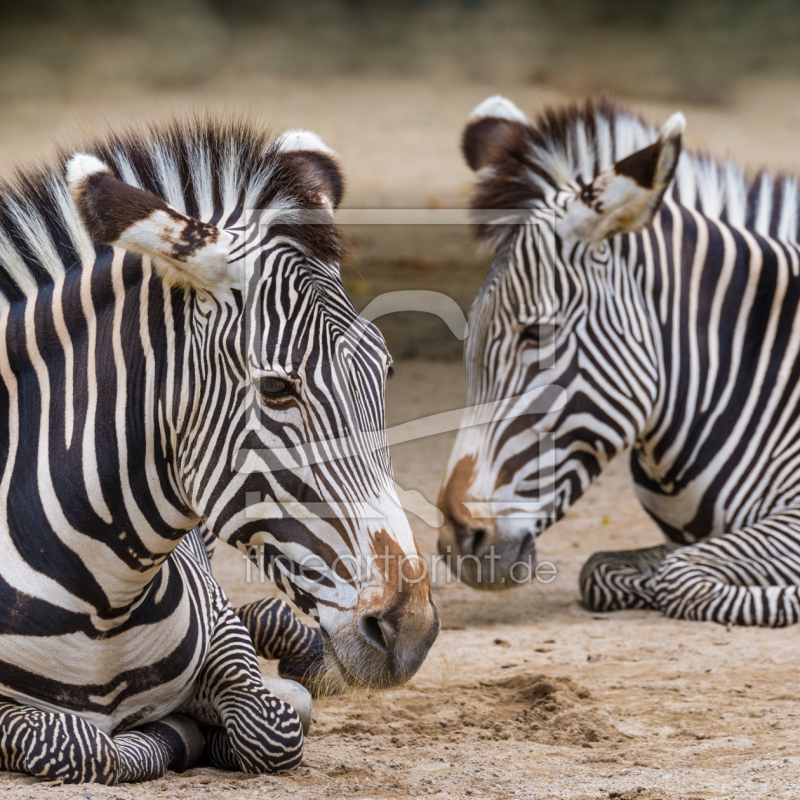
x: 579, y: 141
x: 205, y: 167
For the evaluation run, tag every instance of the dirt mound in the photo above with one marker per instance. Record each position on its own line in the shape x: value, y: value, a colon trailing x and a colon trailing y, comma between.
x: 534, y: 708
x: 581, y: 727
x: 555, y: 711
x: 544, y: 693
x: 634, y: 794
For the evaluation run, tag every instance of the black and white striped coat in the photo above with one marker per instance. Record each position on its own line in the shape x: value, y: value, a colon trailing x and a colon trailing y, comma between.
x: 175, y: 347
x: 660, y: 292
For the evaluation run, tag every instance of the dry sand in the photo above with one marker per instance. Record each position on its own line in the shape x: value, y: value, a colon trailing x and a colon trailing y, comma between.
x: 525, y: 694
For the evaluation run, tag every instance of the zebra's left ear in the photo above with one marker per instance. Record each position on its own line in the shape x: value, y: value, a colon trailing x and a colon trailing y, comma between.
x: 317, y: 179
x: 184, y: 251
x: 625, y: 198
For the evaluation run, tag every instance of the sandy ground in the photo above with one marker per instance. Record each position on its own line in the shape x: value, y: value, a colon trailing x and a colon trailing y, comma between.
x: 525, y: 694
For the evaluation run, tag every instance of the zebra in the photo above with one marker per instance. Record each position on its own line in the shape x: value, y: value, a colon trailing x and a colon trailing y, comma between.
x: 176, y: 348
x: 660, y: 289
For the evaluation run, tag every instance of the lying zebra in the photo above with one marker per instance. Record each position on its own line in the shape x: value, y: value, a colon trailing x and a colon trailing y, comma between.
x: 167, y: 356
x: 661, y: 290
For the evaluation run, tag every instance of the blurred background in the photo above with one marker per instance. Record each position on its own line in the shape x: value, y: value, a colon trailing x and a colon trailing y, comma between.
x: 389, y: 86
x: 688, y: 49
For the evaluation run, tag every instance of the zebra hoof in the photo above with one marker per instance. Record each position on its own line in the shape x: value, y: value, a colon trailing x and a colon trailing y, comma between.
x: 297, y: 696
x: 191, y: 737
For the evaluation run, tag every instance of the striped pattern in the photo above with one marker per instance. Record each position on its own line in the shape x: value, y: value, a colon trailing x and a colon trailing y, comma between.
x: 278, y: 635
x: 66, y: 748
x: 148, y: 305
x: 677, y: 337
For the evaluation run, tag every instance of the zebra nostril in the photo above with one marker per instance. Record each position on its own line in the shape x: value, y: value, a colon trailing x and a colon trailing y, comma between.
x: 525, y: 546
x: 376, y: 631
x: 470, y: 541
x: 480, y: 542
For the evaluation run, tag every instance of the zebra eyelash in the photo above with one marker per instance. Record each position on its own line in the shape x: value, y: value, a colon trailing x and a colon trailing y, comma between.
x: 390, y: 372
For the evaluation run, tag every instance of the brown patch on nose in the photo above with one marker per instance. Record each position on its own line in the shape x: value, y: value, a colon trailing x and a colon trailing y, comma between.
x: 396, y: 620
x: 453, y: 493
x: 395, y: 565
x: 405, y: 577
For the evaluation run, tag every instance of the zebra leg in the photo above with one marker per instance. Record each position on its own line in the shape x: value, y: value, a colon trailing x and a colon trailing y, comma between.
x: 58, y: 746
x: 748, y: 577
x: 172, y: 743
x: 278, y: 634
x: 261, y: 733
x: 614, y: 581
x: 219, y: 752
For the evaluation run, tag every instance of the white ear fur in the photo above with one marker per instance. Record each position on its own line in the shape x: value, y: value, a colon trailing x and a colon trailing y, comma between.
x: 301, y: 140
x: 495, y: 130
x: 81, y: 165
x: 162, y: 236
x: 497, y: 107
x: 674, y: 126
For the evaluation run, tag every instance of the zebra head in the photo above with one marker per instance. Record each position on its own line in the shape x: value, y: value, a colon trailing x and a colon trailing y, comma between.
x: 269, y: 396
x: 560, y: 360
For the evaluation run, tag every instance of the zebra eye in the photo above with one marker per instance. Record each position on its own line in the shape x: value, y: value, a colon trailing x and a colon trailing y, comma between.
x: 274, y: 387
x: 539, y: 334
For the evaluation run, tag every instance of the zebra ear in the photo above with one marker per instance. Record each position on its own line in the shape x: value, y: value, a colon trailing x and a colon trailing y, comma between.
x: 185, y: 251
x: 625, y: 198
x: 312, y: 164
x: 495, y: 129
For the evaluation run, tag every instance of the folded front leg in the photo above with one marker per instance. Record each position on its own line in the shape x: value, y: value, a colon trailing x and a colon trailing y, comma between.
x: 265, y: 734
x: 59, y: 746
x: 747, y: 577
x: 278, y: 634
x: 623, y: 579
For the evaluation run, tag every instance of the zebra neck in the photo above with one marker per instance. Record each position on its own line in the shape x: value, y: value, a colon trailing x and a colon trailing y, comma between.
x: 718, y: 298
x: 87, y: 489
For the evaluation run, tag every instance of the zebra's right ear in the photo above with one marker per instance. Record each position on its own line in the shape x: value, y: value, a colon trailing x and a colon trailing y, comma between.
x: 625, y: 197
x: 184, y: 251
x: 495, y: 129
